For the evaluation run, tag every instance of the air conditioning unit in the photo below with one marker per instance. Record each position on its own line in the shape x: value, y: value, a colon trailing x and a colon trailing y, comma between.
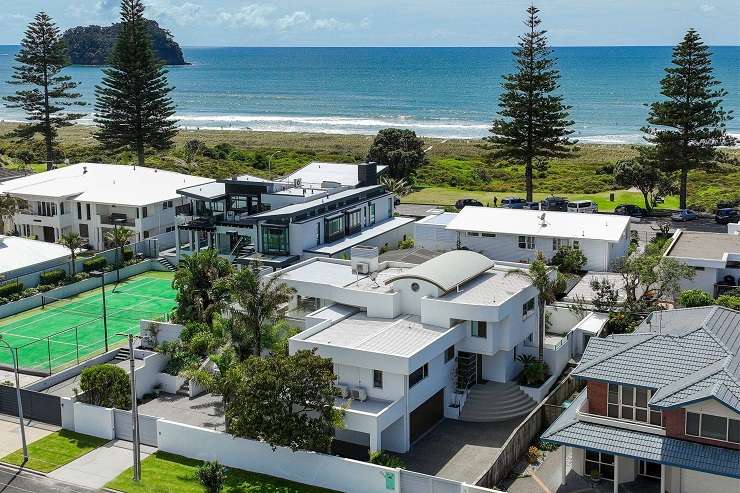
x: 343, y: 390
x: 362, y: 268
x: 359, y: 393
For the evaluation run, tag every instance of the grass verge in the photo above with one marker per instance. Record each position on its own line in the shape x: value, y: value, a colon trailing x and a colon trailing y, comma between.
x: 55, y: 450
x: 168, y: 473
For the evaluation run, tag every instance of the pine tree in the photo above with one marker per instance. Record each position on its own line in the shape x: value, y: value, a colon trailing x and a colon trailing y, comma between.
x: 533, y: 123
x: 690, y: 123
x: 46, y: 94
x: 133, y: 106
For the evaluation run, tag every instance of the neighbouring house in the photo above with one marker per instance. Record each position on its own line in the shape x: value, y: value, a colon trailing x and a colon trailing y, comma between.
x: 19, y: 256
x: 661, y: 407
x: 94, y: 198
x: 413, y: 344
x: 323, y: 209
x: 715, y: 258
x: 516, y: 235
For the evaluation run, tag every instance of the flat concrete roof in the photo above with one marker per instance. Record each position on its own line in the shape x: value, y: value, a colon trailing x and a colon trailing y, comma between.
x: 20, y: 253
x: 363, y: 236
x: 492, y: 287
x: 708, y: 246
x: 318, y: 271
x: 583, y: 291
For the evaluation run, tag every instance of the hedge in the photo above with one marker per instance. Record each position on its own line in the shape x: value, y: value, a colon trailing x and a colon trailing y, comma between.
x: 96, y: 263
x: 10, y: 288
x: 128, y: 254
x: 52, y: 276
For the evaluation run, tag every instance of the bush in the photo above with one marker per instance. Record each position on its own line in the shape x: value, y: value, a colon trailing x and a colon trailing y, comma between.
x: 534, y: 372
x: 128, y: 254
x: 729, y: 301
x: 569, y: 260
x: 96, y: 263
x: 533, y: 455
x: 212, y: 476
x: 384, y: 459
x: 52, y: 276
x: 695, y: 297
x: 621, y: 322
x: 10, y: 288
x: 405, y: 244
x: 106, y: 386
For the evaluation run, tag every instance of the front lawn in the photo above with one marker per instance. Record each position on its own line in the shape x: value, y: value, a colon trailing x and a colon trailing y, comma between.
x: 55, y: 450
x: 168, y: 473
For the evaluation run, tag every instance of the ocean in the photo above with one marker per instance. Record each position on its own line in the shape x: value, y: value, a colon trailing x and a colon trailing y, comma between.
x: 438, y: 92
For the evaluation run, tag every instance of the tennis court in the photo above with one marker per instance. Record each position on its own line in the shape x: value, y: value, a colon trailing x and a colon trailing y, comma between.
x: 64, y: 332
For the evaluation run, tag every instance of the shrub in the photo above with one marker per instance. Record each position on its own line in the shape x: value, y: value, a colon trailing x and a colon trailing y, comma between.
x: 534, y: 372
x: 405, y: 244
x: 96, y: 263
x: 106, y: 386
x: 621, y: 322
x: 212, y: 476
x: 10, y: 288
x: 128, y: 254
x: 533, y: 455
x: 382, y: 458
x: 52, y: 276
x: 547, y: 446
x: 569, y: 260
x: 729, y: 301
x: 695, y: 297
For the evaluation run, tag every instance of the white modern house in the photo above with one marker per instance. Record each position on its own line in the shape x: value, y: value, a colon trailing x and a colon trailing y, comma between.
x: 412, y: 344
x: 715, y: 258
x: 19, y: 256
x: 516, y: 235
x: 93, y: 198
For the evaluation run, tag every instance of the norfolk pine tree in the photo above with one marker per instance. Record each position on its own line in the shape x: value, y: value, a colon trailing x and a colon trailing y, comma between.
x: 689, y: 125
x: 533, y: 123
x: 46, y: 94
x: 133, y: 107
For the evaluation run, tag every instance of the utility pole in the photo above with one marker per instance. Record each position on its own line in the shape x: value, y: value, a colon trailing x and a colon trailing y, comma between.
x: 134, y: 409
x: 14, y: 354
x: 101, y: 275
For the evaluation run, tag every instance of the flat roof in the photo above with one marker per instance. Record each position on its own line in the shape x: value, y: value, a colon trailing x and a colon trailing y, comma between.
x: 583, y: 291
x: 708, y: 246
x: 316, y: 172
x: 363, y: 236
x: 331, y: 273
x: 492, y: 287
x: 19, y: 253
x: 296, y: 208
x: 414, y: 256
x: 401, y: 336
x: 205, y: 191
x: 439, y: 219
x: 608, y: 227
x: 103, y: 184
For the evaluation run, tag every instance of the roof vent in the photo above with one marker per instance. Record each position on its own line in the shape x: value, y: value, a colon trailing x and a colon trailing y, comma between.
x: 84, y: 170
x: 543, y: 223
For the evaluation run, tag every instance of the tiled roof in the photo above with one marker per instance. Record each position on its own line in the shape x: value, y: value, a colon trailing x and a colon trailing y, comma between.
x: 568, y: 430
x: 687, y: 355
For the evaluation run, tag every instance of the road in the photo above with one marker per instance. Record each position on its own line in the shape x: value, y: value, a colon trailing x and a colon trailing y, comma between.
x: 13, y: 481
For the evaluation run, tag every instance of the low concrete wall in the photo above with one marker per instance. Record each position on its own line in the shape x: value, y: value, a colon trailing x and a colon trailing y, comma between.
x: 170, y: 384
x: 94, y: 420
x: 148, y: 373
x: 537, y: 394
x: 165, y: 331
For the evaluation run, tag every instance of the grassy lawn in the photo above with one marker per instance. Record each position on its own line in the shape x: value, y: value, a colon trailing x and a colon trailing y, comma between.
x: 168, y: 473
x: 55, y: 450
x: 448, y: 196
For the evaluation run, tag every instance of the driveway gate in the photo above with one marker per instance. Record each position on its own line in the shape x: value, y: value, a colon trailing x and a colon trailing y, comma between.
x: 36, y: 406
x: 124, y: 428
x: 415, y: 482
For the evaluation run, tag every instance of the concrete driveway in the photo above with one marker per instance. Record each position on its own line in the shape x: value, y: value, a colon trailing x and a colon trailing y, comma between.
x: 459, y: 450
x: 97, y: 468
x: 10, y: 434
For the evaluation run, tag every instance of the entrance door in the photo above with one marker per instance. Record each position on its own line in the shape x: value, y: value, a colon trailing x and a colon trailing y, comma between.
x: 49, y: 234
x: 649, y: 469
x: 85, y: 231
x: 428, y: 414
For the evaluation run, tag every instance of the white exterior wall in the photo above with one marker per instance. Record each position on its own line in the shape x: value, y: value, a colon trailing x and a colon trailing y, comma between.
x: 393, y: 383
x: 711, y: 406
x: 700, y: 482
x: 704, y: 279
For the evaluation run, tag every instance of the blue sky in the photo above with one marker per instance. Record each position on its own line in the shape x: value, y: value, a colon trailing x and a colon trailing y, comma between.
x: 400, y: 22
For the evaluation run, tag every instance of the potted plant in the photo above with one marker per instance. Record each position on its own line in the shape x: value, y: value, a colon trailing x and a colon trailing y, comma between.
x: 595, y: 476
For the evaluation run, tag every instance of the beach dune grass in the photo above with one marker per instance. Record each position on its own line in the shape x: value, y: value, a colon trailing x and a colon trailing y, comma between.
x: 162, y: 472
x: 55, y: 450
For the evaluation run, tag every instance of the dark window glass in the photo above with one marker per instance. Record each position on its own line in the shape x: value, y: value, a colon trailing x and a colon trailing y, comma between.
x: 79, y: 210
x: 144, y: 212
x: 713, y: 427
x: 613, y: 393
x: 450, y: 353
x: 613, y: 411
x: 418, y: 375
x: 692, y: 424
x: 734, y: 431
x: 641, y: 397
x: 333, y: 229
x: 656, y: 417
x: 479, y: 329
x: 274, y: 240
x: 87, y: 210
x: 377, y: 379
x: 592, y: 456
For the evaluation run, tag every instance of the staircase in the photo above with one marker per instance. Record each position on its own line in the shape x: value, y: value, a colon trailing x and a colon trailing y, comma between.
x: 184, y: 389
x: 123, y: 354
x: 164, y: 262
x: 496, y: 402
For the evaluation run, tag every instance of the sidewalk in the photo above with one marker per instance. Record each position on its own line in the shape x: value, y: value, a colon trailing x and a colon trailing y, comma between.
x: 10, y: 433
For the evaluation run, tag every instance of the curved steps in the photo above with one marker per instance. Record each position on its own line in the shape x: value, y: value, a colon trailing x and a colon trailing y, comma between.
x: 495, y: 401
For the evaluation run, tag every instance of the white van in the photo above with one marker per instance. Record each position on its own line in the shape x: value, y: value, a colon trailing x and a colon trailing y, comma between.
x: 584, y: 206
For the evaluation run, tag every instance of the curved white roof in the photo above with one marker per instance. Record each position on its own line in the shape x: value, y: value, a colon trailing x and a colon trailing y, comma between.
x: 449, y: 270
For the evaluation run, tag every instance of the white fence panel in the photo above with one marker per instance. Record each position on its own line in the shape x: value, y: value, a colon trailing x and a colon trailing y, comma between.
x: 415, y: 482
x: 124, y: 427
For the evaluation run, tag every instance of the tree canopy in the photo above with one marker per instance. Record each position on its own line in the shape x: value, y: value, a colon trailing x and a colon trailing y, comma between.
x: 106, y: 386
x: 644, y: 173
x: 201, y: 292
x: 399, y: 149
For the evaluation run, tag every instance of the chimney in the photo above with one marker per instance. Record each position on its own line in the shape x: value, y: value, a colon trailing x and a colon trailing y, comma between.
x: 367, y: 174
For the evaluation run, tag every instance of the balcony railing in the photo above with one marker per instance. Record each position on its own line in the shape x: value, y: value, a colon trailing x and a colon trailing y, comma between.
x: 34, y: 212
x: 720, y: 289
x: 117, y: 220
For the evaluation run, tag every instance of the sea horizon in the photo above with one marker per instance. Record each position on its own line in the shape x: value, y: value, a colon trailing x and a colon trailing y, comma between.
x: 441, y: 92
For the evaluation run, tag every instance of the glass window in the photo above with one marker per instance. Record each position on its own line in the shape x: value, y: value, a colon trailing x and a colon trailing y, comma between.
x: 275, y: 240
x: 733, y: 431
x: 390, y: 207
x: 528, y: 308
x: 472, y: 233
x: 239, y: 202
x: 713, y: 427
x: 79, y: 210
x: 377, y: 379
x: 87, y: 210
x: 489, y: 235
x: 318, y: 233
x: 144, y: 212
x: 419, y: 374
x: 601, y: 463
x: 333, y: 229
x: 526, y: 242
x: 372, y: 213
x: 692, y: 424
x: 354, y: 221
x: 479, y: 329
x: 450, y: 353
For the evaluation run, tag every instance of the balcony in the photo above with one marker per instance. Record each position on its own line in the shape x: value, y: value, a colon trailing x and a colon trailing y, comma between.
x: 35, y: 212
x: 117, y: 220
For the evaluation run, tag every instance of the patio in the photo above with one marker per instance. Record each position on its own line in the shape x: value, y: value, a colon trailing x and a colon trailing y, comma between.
x: 205, y: 411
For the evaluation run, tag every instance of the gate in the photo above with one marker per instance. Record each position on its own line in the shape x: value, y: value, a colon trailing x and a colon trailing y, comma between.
x: 124, y: 427
x: 415, y: 482
x: 36, y: 406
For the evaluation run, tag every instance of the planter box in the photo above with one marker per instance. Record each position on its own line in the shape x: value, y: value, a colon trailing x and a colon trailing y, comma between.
x: 538, y: 394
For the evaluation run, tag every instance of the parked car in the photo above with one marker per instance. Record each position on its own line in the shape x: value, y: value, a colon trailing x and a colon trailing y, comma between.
x: 465, y: 202
x: 684, y: 215
x: 727, y: 215
x: 629, y: 210
x: 583, y: 206
x: 535, y: 206
x: 513, y: 203
x: 554, y: 203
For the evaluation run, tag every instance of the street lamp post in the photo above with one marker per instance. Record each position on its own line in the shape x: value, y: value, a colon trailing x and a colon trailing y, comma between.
x: 14, y: 354
x: 134, y: 408
x: 269, y: 163
x: 101, y: 275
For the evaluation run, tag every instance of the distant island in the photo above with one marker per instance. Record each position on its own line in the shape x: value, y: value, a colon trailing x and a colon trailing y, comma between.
x: 91, y: 45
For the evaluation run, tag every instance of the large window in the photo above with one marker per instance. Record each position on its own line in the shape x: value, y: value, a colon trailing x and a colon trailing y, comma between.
x: 528, y: 308
x: 478, y: 329
x: 601, y: 462
x: 450, y: 353
x: 713, y: 427
x: 354, y: 221
x: 526, y: 242
x: 419, y: 374
x: 333, y: 228
x: 377, y: 379
x: 239, y: 202
x: 631, y: 403
x: 372, y: 213
x: 275, y: 240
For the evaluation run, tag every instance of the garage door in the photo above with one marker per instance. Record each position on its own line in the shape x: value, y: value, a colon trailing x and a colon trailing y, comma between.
x: 424, y: 417
x: 147, y: 427
x: 694, y: 481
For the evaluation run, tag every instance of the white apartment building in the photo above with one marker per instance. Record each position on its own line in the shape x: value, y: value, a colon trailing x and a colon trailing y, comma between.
x: 516, y: 235
x: 410, y: 343
x: 93, y: 198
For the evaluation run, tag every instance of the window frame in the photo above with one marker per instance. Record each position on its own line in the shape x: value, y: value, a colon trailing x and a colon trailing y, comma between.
x: 528, y: 308
x: 475, y: 329
x: 728, y: 422
x: 377, y: 379
x: 526, y: 242
x: 632, y: 408
x: 600, y: 463
x: 450, y: 353
x: 419, y: 375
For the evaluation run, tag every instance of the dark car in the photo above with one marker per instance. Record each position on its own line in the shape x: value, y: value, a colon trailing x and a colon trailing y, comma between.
x: 535, y: 206
x: 465, y: 202
x: 554, y: 204
x: 513, y: 203
x: 727, y: 216
x: 629, y: 210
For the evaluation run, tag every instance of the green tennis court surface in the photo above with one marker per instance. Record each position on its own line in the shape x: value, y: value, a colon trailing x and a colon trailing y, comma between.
x: 66, y: 331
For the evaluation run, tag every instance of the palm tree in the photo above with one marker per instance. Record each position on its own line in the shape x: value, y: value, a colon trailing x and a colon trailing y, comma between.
x: 119, y: 237
x: 260, y: 301
x: 9, y: 207
x: 201, y: 291
x: 399, y: 188
x: 74, y: 242
x: 540, y: 275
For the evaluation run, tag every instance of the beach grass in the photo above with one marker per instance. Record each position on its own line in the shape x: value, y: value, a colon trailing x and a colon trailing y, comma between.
x: 55, y: 450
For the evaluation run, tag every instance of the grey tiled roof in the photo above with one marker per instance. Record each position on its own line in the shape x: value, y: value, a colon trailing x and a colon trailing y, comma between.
x: 686, y: 355
x: 568, y: 430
